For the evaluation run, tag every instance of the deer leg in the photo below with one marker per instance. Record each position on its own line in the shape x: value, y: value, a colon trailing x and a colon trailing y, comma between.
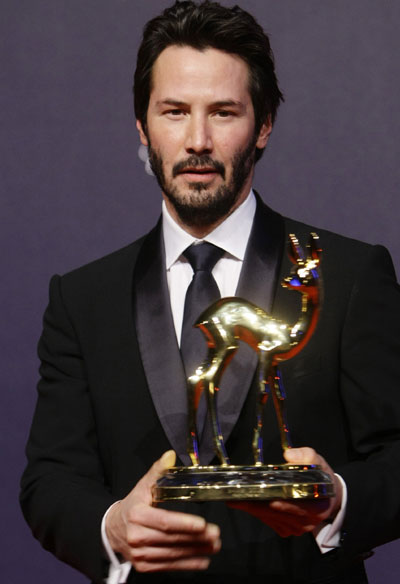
x: 195, y: 387
x: 214, y: 375
x: 263, y: 390
x: 208, y: 375
x: 278, y: 396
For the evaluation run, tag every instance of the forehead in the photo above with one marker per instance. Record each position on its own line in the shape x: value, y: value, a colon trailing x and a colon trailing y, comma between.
x: 210, y: 74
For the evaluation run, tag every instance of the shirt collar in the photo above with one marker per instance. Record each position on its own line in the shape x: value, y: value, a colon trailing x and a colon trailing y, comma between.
x: 231, y: 235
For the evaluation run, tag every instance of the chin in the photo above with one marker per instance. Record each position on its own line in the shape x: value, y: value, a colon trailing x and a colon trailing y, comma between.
x: 204, y: 208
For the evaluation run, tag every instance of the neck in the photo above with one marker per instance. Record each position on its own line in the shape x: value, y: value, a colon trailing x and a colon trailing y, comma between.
x: 201, y: 231
x: 197, y: 231
x: 306, y: 324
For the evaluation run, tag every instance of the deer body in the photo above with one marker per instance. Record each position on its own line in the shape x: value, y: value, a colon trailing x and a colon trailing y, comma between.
x: 230, y: 320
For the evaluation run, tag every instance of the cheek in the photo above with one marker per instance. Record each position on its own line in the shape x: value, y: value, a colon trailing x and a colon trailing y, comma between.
x: 167, y: 135
x: 169, y: 146
x: 233, y: 142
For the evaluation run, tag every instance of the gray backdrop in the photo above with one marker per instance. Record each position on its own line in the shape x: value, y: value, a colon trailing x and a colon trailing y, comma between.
x: 73, y: 187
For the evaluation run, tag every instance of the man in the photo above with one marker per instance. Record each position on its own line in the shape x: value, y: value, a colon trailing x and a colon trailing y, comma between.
x: 112, y: 394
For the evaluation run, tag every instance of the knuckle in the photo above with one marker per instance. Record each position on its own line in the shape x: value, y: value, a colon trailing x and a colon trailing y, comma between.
x: 163, y: 524
x: 135, y: 515
x: 137, y: 555
x: 175, y: 538
x: 174, y: 553
x: 141, y: 566
x: 132, y: 515
x: 134, y: 538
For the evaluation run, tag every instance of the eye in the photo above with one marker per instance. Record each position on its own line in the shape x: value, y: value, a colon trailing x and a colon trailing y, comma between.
x: 174, y: 113
x: 224, y: 113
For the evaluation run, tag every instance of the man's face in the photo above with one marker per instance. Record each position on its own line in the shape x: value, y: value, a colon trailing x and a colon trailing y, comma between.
x: 200, y: 133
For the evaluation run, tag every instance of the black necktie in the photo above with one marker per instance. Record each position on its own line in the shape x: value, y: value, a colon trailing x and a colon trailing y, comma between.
x: 202, y: 292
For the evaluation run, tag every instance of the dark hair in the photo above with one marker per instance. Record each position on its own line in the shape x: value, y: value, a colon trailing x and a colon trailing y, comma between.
x: 210, y: 25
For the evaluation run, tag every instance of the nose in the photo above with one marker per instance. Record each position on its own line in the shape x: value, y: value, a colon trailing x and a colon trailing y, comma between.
x: 198, y: 138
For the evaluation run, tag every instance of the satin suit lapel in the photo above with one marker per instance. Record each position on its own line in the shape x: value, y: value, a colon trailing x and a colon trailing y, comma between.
x: 158, y: 345
x: 157, y: 341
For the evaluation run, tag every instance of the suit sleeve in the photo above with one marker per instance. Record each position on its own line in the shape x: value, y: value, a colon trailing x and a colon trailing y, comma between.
x: 370, y: 392
x: 63, y: 491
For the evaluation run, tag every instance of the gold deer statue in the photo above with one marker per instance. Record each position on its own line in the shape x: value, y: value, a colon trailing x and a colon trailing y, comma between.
x: 232, y: 319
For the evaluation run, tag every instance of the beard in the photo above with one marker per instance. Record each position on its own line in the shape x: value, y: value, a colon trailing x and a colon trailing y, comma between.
x: 198, y: 205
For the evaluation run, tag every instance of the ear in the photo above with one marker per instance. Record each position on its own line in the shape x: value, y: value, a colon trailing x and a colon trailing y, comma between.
x: 142, y: 133
x: 295, y: 252
x: 264, y: 133
x: 314, y: 247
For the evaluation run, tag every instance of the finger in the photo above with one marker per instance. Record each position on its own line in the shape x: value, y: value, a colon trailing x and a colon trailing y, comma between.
x: 189, y: 564
x: 140, y: 536
x: 304, y: 455
x: 266, y: 512
x: 289, y: 529
x: 166, y: 461
x: 284, y: 524
x: 156, y: 471
x: 167, y: 521
x: 168, y: 554
x: 307, y: 455
x: 313, y: 508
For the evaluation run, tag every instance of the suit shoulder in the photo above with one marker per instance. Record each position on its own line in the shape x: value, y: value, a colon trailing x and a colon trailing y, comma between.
x: 341, y: 253
x: 329, y: 238
x: 101, y: 277
x: 109, y: 263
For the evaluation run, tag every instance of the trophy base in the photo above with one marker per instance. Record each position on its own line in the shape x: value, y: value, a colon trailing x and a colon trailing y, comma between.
x: 245, y: 483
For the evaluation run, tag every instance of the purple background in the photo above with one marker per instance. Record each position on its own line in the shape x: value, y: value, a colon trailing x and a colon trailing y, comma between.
x: 73, y: 187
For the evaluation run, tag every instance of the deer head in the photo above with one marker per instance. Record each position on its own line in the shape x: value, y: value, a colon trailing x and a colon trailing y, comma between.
x: 304, y: 276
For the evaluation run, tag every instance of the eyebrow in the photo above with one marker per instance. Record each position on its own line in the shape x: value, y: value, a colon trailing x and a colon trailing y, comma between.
x: 170, y: 101
x: 227, y: 103
x: 215, y: 104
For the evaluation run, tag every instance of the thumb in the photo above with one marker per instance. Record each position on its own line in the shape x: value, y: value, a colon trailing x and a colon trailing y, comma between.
x: 167, y: 460
x: 142, y: 490
x: 306, y: 455
x: 302, y: 455
x: 159, y: 467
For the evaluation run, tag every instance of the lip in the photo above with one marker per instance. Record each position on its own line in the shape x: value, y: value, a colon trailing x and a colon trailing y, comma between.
x: 199, y: 174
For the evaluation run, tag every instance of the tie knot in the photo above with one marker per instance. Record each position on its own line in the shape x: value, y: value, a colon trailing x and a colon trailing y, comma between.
x: 203, y: 256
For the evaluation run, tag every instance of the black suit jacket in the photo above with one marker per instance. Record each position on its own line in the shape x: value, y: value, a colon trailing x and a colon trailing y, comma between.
x: 112, y: 400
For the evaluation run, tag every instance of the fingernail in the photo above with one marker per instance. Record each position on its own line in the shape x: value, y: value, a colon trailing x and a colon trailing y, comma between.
x: 217, y: 545
x: 168, y: 458
x: 213, y: 530
x: 203, y: 563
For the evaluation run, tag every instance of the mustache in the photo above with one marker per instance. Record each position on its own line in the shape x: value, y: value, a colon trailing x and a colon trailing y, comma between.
x: 201, y: 161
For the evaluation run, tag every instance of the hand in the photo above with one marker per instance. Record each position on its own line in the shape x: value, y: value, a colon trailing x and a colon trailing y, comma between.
x: 296, y: 517
x: 156, y: 539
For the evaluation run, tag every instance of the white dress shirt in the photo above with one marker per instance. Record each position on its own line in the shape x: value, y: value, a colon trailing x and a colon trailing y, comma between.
x: 232, y: 236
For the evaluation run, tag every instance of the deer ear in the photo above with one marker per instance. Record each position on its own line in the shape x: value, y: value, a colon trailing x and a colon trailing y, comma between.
x: 294, y: 250
x: 314, y: 248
